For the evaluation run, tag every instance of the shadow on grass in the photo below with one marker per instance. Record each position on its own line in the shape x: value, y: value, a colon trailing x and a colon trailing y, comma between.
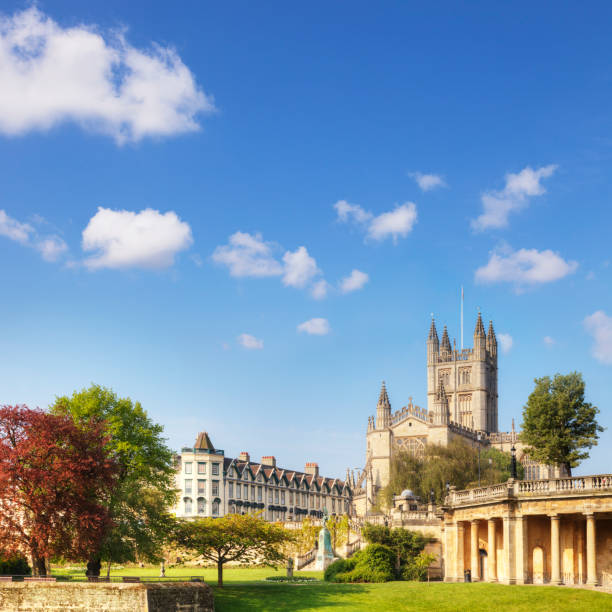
x: 251, y: 597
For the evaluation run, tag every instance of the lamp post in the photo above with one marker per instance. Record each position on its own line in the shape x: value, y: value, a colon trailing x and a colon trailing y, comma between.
x: 513, y: 462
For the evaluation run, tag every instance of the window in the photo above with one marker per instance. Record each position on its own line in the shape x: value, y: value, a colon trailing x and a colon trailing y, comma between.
x: 201, y: 487
x: 270, y: 498
x: 276, y: 496
x: 245, y: 475
x: 259, y: 494
x: 252, y: 493
x: 246, y: 492
x: 201, y: 468
x: 201, y: 505
x: 188, y: 486
x: 259, y: 478
x: 333, y: 505
x: 282, y: 497
x: 230, y: 490
x: 188, y: 509
x: 237, y: 490
x: 188, y: 467
x: 215, y: 469
x: 215, y: 508
x: 290, y: 497
x: 215, y: 488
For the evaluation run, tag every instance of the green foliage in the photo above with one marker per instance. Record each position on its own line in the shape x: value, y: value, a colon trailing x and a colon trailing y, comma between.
x: 306, y: 536
x: 416, y: 568
x: 234, y: 537
x: 141, y: 523
x: 456, y: 463
x: 338, y: 529
x: 15, y: 566
x: 294, y: 579
x: 558, y: 425
x: 375, y: 563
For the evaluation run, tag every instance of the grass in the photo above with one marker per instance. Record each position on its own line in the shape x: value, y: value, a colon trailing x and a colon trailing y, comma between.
x: 246, y: 590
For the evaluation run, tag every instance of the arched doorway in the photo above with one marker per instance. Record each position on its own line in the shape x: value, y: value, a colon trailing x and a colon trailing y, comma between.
x: 482, y: 559
x: 538, y: 565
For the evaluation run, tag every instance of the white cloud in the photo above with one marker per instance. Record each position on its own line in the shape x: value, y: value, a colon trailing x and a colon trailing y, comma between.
x: 515, y: 196
x: 549, y: 340
x: 599, y: 325
x: 51, y: 74
x: 14, y: 230
x: 505, y: 341
x: 250, y: 342
x: 524, y: 267
x: 315, y: 327
x: 356, y: 280
x: 50, y: 247
x: 427, y: 182
x: 319, y: 289
x: 122, y: 239
x: 248, y: 255
x: 351, y: 212
x: 300, y: 268
x: 397, y: 223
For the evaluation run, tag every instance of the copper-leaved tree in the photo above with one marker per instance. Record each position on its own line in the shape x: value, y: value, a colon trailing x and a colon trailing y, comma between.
x: 54, y: 479
x: 234, y: 537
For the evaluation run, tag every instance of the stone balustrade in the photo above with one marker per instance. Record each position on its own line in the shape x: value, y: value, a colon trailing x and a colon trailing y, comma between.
x: 531, y: 488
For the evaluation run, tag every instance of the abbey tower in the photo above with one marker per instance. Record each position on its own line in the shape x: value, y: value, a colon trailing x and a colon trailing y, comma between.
x: 462, y: 384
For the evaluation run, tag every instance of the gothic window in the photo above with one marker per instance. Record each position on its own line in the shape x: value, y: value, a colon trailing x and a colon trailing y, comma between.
x: 444, y: 377
x: 465, y: 375
x: 215, y: 508
x: 465, y: 410
x: 201, y: 505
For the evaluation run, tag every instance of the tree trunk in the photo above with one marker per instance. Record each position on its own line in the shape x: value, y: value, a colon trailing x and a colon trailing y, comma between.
x: 94, y: 566
x: 220, y: 573
x: 568, y: 468
x: 39, y: 565
x: 108, y: 569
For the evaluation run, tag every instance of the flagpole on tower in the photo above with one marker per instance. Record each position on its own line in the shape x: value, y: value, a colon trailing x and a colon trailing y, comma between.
x: 461, y: 317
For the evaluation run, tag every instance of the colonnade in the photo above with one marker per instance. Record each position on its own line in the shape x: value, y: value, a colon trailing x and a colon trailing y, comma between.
x: 509, y: 535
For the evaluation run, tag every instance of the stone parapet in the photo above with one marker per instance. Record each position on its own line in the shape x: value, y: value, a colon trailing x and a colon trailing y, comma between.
x: 110, y: 597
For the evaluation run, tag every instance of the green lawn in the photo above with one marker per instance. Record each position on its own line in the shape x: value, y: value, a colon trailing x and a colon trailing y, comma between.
x: 246, y: 591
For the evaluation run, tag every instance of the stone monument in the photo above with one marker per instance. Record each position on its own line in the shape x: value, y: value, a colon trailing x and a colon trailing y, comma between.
x: 325, y: 555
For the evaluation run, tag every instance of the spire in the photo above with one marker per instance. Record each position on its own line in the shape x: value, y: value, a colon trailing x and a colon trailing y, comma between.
x: 445, y: 341
x: 479, y: 332
x: 491, y: 340
x: 383, y: 398
x: 433, y: 332
x: 203, y: 442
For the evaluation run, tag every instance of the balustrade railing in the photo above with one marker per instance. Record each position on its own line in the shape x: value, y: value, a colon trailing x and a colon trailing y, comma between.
x: 528, y: 488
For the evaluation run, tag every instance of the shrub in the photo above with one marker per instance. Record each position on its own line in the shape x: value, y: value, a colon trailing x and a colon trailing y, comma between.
x: 416, y: 568
x: 14, y: 566
x: 372, y: 564
x: 341, y: 566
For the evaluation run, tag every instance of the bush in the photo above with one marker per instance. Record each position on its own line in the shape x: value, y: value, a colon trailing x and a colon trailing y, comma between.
x: 15, y: 566
x: 372, y: 564
x: 341, y: 566
x: 416, y: 568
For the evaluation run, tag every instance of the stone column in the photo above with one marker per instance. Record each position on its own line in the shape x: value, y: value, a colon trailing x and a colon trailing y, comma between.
x: 475, y: 564
x: 449, y: 538
x: 509, y: 552
x: 591, y: 551
x: 580, y: 552
x: 522, y: 550
x: 459, y: 548
x: 555, y: 556
x: 492, y: 552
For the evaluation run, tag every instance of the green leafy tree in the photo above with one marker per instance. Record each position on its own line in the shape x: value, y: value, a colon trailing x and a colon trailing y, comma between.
x: 338, y: 527
x: 234, y: 537
x: 558, y: 424
x: 145, y: 490
x: 456, y: 464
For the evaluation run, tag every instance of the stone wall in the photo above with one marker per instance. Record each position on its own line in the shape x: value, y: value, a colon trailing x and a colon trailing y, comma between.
x: 105, y: 597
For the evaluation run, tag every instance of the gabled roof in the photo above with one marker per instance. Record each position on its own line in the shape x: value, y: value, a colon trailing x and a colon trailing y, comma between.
x: 203, y: 442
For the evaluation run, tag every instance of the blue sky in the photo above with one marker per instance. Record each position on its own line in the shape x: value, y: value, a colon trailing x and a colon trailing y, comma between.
x: 242, y: 214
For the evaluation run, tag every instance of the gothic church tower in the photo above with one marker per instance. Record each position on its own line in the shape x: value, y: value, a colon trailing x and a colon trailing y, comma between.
x: 380, y: 441
x: 462, y: 384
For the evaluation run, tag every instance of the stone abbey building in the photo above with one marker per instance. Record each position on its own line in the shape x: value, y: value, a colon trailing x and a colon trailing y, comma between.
x: 462, y: 402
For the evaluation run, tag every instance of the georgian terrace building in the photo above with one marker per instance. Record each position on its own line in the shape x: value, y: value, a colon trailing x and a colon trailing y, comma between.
x: 211, y: 484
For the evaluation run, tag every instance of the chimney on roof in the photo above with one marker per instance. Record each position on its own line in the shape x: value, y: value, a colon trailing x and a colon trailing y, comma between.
x: 244, y: 456
x: 312, y: 468
x: 269, y: 460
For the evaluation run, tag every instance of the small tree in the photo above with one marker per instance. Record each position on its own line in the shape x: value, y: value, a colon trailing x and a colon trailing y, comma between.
x: 55, y: 480
x: 558, y: 425
x: 338, y: 527
x: 234, y: 537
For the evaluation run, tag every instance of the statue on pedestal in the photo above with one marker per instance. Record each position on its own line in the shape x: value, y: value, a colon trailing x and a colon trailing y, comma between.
x: 325, y: 554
